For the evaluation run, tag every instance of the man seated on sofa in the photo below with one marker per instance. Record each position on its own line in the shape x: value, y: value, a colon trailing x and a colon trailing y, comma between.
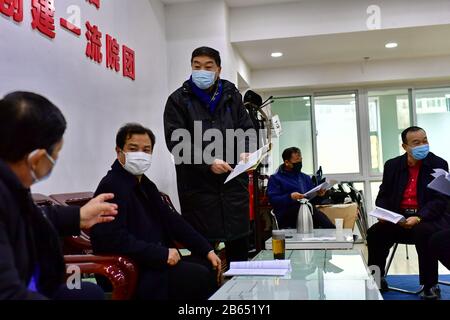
x: 146, y: 228
x: 287, y: 186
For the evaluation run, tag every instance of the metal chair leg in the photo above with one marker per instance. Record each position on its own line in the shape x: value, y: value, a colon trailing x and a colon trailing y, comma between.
x: 390, y: 258
x: 388, y: 265
x: 406, y: 291
x: 407, y: 253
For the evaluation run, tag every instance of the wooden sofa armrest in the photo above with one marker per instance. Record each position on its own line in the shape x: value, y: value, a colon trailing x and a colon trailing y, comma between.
x: 119, y: 270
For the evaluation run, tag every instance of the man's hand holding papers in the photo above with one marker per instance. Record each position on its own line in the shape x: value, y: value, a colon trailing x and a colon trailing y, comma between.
x: 386, y: 215
x: 250, y: 162
x: 320, y: 189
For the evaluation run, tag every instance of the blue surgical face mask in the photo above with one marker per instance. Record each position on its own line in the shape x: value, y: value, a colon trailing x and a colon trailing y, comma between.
x: 420, y: 152
x: 203, y: 79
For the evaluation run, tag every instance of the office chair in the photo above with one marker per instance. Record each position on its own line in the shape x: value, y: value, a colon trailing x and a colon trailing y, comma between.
x: 388, y: 265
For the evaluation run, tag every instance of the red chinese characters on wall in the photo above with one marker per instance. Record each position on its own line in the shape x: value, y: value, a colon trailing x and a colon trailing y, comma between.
x: 128, y: 63
x: 112, y: 53
x: 12, y: 9
x: 43, y: 14
x: 70, y: 27
x: 95, y: 3
x: 43, y: 20
x: 94, y: 45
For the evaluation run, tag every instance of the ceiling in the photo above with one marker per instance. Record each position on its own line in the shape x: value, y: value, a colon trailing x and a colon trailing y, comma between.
x: 413, y: 42
x: 238, y: 3
x: 346, y: 47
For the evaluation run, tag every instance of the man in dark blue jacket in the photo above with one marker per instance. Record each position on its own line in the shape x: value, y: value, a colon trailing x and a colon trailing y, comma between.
x: 147, y: 229
x: 31, y: 260
x: 287, y: 186
x: 404, y: 190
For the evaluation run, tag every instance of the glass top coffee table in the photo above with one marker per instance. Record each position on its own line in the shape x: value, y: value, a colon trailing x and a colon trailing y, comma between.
x: 315, y: 275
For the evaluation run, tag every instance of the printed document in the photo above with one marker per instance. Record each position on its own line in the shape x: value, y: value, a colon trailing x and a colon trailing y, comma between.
x: 259, y: 268
x: 251, y: 163
x: 441, y: 182
x: 386, y: 215
x: 323, y: 186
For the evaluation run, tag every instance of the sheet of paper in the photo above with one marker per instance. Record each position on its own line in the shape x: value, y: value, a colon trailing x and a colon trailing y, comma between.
x: 439, y: 172
x: 252, y: 162
x: 263, y: 268
x: 323, y: 186
x: 319, y: 239
x: 256, y: 272
x: 387, y: 215
x: 441, y: 182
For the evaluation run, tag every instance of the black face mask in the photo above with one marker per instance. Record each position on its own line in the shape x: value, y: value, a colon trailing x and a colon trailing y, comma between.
x: 297, y: 166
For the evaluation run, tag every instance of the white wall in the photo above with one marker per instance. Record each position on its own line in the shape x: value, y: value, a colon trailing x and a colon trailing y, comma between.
x: 195, y: 24
x: 94, y: 100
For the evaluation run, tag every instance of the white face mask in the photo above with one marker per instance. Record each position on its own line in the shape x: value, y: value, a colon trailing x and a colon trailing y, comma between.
x: 137, y: 163
x: 33, y: 174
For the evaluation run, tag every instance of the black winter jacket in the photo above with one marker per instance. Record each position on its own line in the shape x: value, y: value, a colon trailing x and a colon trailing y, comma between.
x: 145, y: 227
x: 432, y: 204
x: 218, y: 211
x: 29, y: 240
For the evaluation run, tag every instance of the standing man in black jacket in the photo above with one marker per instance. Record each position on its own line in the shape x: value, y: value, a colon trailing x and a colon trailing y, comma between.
x: 31, y: 260
x: 404, y: 190
x: 147, y: 229
x: 205, y: 105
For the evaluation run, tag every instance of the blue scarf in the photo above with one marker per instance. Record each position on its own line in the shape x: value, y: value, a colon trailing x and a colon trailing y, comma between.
x: 209, y: 100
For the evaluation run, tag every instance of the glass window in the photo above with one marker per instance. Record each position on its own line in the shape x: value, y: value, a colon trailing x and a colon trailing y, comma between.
x: 295, y: 118
x: 359, y: 186
x: 374, y: 189
x: 389, y: 115
x: 433, y: 114
x: 337, y: 139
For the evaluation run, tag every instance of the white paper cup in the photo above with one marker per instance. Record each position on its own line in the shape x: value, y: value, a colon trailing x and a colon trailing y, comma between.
x: 339, y: 223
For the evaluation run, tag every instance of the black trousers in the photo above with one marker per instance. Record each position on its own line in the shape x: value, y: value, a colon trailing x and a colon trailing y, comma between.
x: 236, y: 250
x: 320, y: 219
x: 88, y: 291
x: 440, y: 247
x: 192, y: 278
x: 382, y: 236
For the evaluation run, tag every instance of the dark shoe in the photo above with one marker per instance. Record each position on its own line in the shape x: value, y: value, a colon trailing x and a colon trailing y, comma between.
x: 384, y: 287
x: 433, y: 293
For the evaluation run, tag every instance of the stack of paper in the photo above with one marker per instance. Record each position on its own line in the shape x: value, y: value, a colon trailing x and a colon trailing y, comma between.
x: 259, y: 268
x: 323, y: 186
x: 386, y: 215
x: 319, y: 239
x: 251, y: 162
x: 441, y: 182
